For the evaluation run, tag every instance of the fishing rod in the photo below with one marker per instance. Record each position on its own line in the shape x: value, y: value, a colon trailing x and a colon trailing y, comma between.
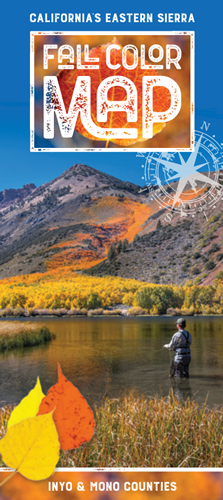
x: 127, y: 348
x: 151, y: 348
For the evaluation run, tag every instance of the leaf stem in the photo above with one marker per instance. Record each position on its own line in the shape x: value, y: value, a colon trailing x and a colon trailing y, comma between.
x: 8, y: 477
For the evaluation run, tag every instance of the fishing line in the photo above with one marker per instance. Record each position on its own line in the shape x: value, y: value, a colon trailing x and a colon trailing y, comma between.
x: 151, y: 348
x: 127, y: 348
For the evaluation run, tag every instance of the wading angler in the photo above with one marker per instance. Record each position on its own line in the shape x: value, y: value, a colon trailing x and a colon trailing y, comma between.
x: 180, y: 344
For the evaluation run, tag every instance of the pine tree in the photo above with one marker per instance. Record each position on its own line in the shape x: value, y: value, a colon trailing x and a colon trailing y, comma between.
x: 111, y: 252
x: 119, y: 247
x: 124, y: 245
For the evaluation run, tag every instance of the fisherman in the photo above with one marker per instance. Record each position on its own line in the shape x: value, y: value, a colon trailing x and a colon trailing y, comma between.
x: 180, y: 343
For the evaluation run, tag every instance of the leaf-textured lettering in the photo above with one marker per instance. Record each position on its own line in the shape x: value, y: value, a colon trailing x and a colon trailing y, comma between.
x: 161, y: 96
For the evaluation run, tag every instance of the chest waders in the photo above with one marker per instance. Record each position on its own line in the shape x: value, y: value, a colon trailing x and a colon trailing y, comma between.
x: 173, y: 362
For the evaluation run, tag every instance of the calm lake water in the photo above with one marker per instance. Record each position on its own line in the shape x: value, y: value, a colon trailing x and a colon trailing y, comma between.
x: 109, y: 356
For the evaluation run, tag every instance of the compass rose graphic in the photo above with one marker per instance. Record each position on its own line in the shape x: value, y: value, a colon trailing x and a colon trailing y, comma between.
x: 187, y: 171
x: 186, y: 184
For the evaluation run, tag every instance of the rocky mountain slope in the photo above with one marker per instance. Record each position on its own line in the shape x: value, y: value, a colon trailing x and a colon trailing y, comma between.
x: 185, y: 250
x: 85, y: 216
x: 12, y: 196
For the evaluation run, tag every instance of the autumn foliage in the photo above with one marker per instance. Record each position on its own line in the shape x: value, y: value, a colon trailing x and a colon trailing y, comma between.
x: 64, y: 288
x: 110, y: 219
x: 73, y: 417
x: 39, y: 426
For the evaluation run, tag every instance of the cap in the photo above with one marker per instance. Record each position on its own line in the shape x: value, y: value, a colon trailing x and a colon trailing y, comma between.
x: 181, y: 322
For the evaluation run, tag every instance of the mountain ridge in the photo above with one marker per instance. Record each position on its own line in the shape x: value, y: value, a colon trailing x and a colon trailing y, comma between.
x: 15, y: 195
x: 75, y: 219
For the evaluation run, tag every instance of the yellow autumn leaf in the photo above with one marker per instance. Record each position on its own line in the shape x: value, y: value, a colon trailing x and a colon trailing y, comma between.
x: 32, y: 447
x: 29, y: 405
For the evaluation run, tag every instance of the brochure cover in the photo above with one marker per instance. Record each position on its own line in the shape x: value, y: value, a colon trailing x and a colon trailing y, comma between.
x: 111, y: 251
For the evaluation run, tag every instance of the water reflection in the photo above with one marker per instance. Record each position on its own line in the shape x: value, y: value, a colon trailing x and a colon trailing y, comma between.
x: 181, y: 388
x: 108, y: 356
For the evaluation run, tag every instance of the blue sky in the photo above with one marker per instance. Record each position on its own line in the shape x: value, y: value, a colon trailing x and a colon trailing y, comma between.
x: 18, y: 165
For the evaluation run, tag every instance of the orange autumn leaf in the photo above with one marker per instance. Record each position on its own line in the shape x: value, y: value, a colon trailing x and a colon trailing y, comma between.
x: 72, y: 416
x: 161, y: 96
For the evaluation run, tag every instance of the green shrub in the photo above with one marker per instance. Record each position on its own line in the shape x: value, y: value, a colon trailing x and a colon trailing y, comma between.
x: 195, y: 270
x: 219, y: 257
x: 215, y: 247
x: 185, y: 268
x: 196, y: 255
x: 210, y: 265
x: 159, y: 297
x: 93, y: 301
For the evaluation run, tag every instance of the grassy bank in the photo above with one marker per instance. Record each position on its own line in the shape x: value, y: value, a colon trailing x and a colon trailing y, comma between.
x: 161, y: 432
x: 140, y: 432
x: 17, y: 335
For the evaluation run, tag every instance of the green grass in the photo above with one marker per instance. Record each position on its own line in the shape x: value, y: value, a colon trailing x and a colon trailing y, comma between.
x: 139, y: 432
x: 17, y: 335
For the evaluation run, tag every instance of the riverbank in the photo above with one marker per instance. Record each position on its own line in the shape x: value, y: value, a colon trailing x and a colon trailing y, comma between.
x: 20, y: 312
x: 18, y: 335
x: 135, y: 431
x: 121, y: 310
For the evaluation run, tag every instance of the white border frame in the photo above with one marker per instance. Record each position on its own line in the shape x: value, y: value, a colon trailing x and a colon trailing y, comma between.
x: 128, y: 469
x: 107, y: 150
